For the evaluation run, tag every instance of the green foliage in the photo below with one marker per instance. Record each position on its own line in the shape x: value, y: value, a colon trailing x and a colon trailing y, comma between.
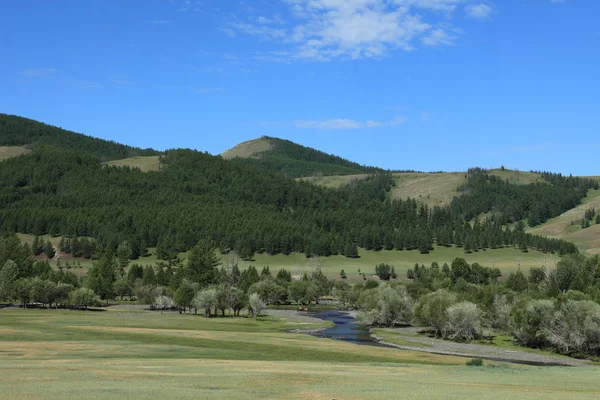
x: 430, y: 310
x: 298, y: 161
x: 202, y: 264
x: 537, y: 202
x: 517, y: 282
x: 8, y: 275
x: 474, y: 362
x: 17, y: 131
x: 83, y: 298
x: 102, y: 276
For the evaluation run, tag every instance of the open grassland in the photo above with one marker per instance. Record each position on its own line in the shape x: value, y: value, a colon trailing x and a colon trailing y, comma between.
x: 431, y: 189
x: 247, y: 149
x: 106, y: 355
x: 145, y: 164
x: 12, y: 151
x: 334, y: 181
x: 567, y: 226
x: 507, y: 259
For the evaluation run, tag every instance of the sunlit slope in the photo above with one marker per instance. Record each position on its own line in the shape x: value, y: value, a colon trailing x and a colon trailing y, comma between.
x: 11, y: 151
x: 567, y: 226
x: 145, y: 164
x: 248, y: 149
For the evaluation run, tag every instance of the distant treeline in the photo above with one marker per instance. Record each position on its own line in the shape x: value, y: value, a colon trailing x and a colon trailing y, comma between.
x: 18, y: 131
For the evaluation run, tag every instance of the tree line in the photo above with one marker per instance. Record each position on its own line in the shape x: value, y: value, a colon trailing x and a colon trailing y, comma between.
x: 18, y: 131
x: 247, y: 209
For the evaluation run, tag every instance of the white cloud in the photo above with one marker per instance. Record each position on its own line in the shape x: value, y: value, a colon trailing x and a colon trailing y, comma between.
x: 479, y: 11
x: 262, y: 31
x: 323, y: 30
x: 37, y: 72
x: 341, y: 123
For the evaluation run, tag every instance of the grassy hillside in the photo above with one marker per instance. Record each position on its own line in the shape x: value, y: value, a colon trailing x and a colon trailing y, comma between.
x: 432, y: 189
x: 292, y: 159
x: 567, y: 226
x: 131, y: 354
x: 12, y: 151
x: 144, y: 164
x: 248, y: 149
x: 23, y: 132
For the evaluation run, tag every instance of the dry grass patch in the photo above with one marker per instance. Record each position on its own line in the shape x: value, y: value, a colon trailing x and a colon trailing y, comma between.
x: 144, y: 164
x: 334, y: 181
x: 247, y: 149
x: 431, y: 189
x: 12, y: 151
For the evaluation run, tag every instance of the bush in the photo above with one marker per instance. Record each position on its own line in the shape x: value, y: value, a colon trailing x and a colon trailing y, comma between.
x: 530, y: 322
x: 431, y: 309
x: 388, y: 306
x: 464, y: 322
x: 576, y: 327
x: 84, y: 297
x: 475, y: 362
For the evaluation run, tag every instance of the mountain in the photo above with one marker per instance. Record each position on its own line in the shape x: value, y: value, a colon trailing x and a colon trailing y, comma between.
x: 293, y: 159
x: 17, y: 132
x: 253, y: 204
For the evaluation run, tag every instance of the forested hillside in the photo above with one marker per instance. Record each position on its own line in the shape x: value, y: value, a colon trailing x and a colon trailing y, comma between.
x: 239, y: 206
x: 18, y: 131
x: 536, y: 202
x: 292, y: 159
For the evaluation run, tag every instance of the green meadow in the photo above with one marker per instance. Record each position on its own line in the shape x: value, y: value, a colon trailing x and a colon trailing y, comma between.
x: 128, y: 354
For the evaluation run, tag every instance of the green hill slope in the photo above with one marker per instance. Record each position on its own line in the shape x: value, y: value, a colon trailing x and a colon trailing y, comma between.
x: 292, y: 159
x: 22, y: 132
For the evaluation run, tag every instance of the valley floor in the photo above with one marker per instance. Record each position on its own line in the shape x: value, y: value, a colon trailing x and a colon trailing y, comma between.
x: 126, y: 354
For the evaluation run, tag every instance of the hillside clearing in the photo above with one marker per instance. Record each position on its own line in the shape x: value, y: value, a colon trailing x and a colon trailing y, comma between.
x: 12, y: 151
x: 145, y: 164
x: 431, y: 189
x: 567, y: 225
x: 335, y: 181
x: 248, y: 149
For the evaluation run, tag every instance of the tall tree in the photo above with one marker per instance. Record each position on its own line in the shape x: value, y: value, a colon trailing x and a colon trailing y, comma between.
x: 103, y: 275
x: 202, y: 264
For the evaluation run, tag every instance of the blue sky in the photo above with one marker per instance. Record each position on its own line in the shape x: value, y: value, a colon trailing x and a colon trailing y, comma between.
x: 404, y: 84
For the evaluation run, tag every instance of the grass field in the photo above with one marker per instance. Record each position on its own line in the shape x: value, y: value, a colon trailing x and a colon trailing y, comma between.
x: 62, y: 354
x: 507, y: 259
x: 145, y: 164
x: 431, y: 189
x: 247, y: 149
x: 12, y: 151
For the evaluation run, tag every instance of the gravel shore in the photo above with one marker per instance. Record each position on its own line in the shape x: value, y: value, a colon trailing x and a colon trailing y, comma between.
x: 446, y: 347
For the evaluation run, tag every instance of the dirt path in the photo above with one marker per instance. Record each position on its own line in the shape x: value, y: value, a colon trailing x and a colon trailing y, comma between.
x: 439, y: 346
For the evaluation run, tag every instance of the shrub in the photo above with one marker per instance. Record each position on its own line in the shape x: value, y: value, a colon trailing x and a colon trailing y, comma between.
x: 463, y: 322
x: 531, y: 321
x: 431, y: 310
x: 475, y: 362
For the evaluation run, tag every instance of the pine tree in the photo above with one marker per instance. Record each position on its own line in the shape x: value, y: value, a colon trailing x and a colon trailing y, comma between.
x: 343, y: 274
x: 49, y: 250
x: 351, y: 250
